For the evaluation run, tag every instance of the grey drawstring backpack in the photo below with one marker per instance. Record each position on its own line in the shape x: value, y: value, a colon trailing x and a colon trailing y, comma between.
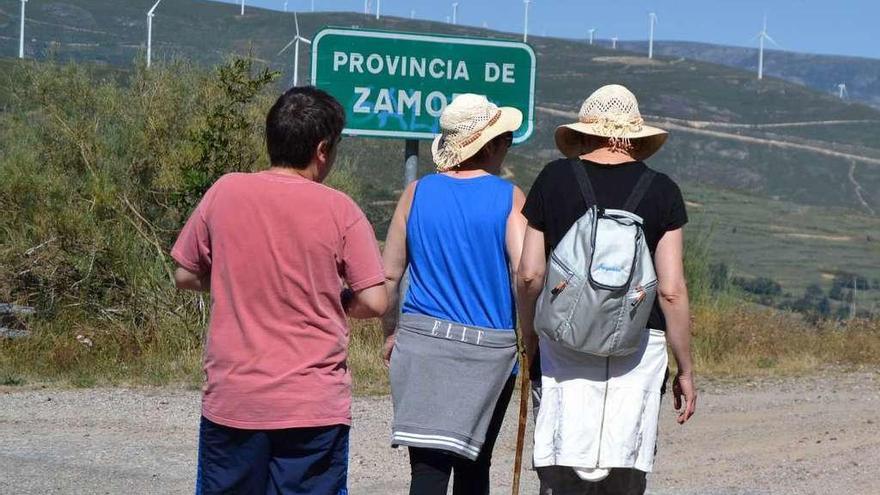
x: 600, y: 284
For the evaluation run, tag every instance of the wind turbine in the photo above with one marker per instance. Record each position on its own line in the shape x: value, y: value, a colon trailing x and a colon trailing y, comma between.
x: 21, y: 31
x: 841, y: 91
x: 313, y: 5
x: 242, y: 8
x: 412, y: 14
x: 285, y: 6
x: 614, y: 43
x: 455, y: 12
x: 366, y: 7
x: 295, y: 41
x: 761, y: 37
x: 378, y: 9
x: 150, y: 15
x: 526, y: 22
x: 652, y: 17
x: 592, y: 31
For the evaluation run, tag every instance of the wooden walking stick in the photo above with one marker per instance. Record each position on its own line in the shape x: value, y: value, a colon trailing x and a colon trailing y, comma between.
x: 524, y: 394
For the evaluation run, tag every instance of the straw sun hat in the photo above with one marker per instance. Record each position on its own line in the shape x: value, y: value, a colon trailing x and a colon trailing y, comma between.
x: 611, y: 112
x: 466, y: 125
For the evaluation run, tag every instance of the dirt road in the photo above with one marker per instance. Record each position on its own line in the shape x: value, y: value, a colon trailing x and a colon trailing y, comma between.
x: 813, y: 435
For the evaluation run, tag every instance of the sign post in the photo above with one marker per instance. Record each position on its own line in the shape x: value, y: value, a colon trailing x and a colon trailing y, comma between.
x: 411, y: 163
x: 395, y: 85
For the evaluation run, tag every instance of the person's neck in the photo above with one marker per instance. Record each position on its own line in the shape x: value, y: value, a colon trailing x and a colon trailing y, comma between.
x: 606, y: 156
x: 308, y: 173
x: 473, y: 170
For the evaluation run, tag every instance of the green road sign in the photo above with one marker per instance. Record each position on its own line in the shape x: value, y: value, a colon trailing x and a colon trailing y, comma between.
x: 396, y: 84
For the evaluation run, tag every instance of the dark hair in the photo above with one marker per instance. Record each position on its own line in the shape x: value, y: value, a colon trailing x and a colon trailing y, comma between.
x: 300, y: 119
x: 483, y: 153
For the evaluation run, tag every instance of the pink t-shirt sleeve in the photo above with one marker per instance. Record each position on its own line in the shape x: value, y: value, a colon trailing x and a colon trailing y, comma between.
x: 192, y: 250
x: 361, y: 260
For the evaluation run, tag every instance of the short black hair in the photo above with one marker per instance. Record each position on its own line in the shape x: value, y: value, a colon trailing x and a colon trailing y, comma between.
x: 300, y: 119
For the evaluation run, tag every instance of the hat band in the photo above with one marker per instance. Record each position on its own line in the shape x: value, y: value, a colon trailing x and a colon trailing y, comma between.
x: 615, y: 127
x: 473, y: 137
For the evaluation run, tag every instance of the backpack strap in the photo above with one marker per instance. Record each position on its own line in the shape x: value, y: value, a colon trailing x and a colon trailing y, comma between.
x: 584, y: 183
x: 635, y: 198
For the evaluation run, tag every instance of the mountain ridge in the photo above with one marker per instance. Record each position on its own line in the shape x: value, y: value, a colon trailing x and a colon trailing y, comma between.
x: 821, y: 72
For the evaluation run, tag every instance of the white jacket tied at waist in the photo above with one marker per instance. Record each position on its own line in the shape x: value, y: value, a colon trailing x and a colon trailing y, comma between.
x: 598, y: 412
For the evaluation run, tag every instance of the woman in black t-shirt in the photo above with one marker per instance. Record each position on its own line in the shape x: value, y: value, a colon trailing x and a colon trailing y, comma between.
x: 609, y: 141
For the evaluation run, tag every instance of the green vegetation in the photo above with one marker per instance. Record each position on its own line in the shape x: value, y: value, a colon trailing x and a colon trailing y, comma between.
x: 790, y: 244
x: 98, y: 178
x: 112, y: 34
x: 100, y: 171
x: 733, y: 338
x: 793, y: 215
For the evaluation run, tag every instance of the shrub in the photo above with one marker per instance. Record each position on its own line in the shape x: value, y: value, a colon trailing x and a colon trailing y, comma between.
x: 99, y: 176
x: 759, y: 286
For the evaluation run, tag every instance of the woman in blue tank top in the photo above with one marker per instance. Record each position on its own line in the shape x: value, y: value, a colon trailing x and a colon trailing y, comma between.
x: 456, y: 237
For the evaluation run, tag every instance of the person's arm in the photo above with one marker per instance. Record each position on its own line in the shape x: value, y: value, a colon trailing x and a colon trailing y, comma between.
x: 529, y: 281
x: 516, y: 231
x: 370, y: 302
x: 192, y: 251
x: 394, y: 259
x: 364, y: 296
x: 673, y: 297
x: 187, y: 280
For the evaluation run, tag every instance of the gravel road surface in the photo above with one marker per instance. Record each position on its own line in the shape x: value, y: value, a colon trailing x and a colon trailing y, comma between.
x: 807, y: 435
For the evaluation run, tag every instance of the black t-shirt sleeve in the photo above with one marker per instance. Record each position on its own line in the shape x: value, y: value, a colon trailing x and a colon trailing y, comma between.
x: 676, y: 214
x: 534, y: 207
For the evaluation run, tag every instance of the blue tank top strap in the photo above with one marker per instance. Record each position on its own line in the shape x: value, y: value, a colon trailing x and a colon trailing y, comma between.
x: 456, y: 243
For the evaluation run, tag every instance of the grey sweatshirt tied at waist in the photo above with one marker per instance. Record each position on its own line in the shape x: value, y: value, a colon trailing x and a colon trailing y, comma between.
x: 445, y: 381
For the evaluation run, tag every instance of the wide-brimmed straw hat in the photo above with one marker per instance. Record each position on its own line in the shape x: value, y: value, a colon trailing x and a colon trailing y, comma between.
x: 466, y: 125
x: 611, y: 112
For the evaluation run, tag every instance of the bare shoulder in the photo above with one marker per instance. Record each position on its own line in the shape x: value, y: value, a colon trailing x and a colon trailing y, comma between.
x: 404, y: 204
x: 409, y: 193
x: 519, y: 198
x: 410, y: 190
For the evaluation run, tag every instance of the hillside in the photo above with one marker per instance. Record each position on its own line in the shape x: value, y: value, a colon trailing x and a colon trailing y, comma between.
x: 768, y: 154
x: 820, y: 72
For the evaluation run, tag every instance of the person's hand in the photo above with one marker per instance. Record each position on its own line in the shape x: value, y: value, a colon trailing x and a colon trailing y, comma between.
x: 683, y: 385
x: 386, y: 350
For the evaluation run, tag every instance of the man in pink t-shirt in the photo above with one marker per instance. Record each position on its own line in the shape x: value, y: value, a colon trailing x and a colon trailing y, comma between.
x: 286, y: 259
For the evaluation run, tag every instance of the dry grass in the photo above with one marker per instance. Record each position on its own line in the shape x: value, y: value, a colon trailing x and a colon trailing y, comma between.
x: 365, y: 358
x: 730, y: 340
x: 745, y: 341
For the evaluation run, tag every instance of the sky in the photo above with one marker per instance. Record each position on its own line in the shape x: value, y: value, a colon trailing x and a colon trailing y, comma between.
x: 844, y: 27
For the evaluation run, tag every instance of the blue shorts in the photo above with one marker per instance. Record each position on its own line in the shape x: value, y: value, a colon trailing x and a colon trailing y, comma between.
x: 310, y: 461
